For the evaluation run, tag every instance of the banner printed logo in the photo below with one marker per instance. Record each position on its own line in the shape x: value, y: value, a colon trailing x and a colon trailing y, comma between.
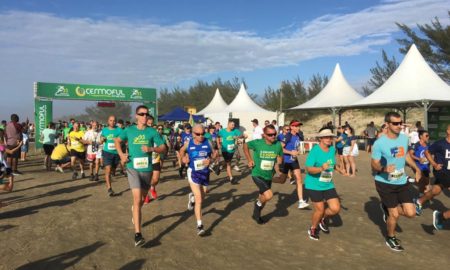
x: 62, y: 91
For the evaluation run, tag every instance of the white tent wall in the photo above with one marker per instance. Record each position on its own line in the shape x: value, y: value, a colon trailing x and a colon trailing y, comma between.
x: 246, y: 126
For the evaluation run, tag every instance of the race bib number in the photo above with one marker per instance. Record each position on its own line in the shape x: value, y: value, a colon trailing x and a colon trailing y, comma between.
x: 230, y: 147
x: 140, y: 163
x: 111, y: 146
x: 198, y: 164
x: 326, y: 176
x: 267, y: 165
x: 396, y: 175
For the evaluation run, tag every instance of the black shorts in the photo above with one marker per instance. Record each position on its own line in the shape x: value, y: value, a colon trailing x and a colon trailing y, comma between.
x: 393, y: 195
x: 156, y: 166
x: 442, y: 180
x: 61, y: 161
x: 371, y: 141
x: 48, y: 149
x: 15, y: 154
x: 79, y: 155
x: 286, y: 167
x: 110, y: 159
x: 321, y: 195
x: 340, y: 151
x: 262, y: 184
x: 426, y: 172
x: 227, y: 156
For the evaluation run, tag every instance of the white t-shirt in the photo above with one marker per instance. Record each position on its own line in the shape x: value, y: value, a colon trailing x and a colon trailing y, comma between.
x: 257, y: 133
x: 92, y: 136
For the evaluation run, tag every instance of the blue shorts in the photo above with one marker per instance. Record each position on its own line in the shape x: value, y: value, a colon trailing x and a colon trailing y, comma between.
x: 198, y: 178
x: 110, y: 159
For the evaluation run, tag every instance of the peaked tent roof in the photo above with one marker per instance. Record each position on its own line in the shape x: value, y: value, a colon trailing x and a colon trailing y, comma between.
x: 178, y: 114
x: 217, y: 104
x: 243, y: 103
x: 413, y: 81
x: 337, y: 93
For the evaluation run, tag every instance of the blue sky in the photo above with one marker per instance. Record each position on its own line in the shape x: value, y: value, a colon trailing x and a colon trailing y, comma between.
x: 167, y: 43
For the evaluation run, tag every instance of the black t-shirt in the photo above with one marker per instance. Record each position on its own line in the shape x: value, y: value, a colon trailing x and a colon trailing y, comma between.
x: 441, y: 151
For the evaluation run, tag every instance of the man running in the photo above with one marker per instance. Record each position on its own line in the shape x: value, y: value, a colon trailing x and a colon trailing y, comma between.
x: 417, y: 153
x: 186, y: 136
x: 141, y: 140
x: 110, y: 154
x: 227, y: 144
x: 291, y: 143
x: 439, y: 156
x: 92, y: 137
x: 200, y: 152
x: 388, y: 162
x: 265, y: 152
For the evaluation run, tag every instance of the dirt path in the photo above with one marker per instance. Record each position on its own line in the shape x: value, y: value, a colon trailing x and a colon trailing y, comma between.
x: 52, y: 222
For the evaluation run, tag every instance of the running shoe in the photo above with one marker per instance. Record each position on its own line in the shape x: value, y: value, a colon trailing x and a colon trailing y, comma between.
x: 384, y: 211
x: 200, y: 230
x: 16, y: 172
x: 418, y: 207
x: 292, y: 181
x: 236, y: 168
x: 410, y: 179
x: 313, y: 234
x: 74, y: 175
x: 233, y: 181
x: 394, y: 244
x: 217, y: 169
x: 83, y: 175
x: 438, y: 220
x: 153, y: 193
x: 302, y: 204
x: 59, y: 169
x: 323, y: 226
x: 257, y: 214
x: 191, y: 202
x: 138, y: 240
x: 92, y: 177
x: 211, y: 167
x: 111, y: 192
x: 147, y: 199
x: 96, y: 177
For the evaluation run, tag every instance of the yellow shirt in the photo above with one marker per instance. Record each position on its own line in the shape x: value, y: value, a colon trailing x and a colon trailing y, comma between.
x: 60, y: 152
x: 76, y: 145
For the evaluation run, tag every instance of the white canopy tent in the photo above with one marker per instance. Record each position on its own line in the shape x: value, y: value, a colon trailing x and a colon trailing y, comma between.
x: 245, y: 109
x: 413, y: 83
x: 216, y: 104
x: 336, y: 94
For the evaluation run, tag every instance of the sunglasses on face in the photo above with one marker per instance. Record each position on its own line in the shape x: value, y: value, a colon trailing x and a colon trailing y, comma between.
x: 143, y: 114
x: 271, y: 134
x: 396, y: 123
x: 199, y: 134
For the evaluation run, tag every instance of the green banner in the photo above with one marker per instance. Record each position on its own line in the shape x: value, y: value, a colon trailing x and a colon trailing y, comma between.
x: 153, y: 110
x: 438, y: 120
x: 43, y: 112
x: 94, y: 92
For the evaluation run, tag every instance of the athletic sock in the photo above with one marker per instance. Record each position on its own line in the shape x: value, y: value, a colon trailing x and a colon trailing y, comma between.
x: 259, y: 203
x: 199, y: 223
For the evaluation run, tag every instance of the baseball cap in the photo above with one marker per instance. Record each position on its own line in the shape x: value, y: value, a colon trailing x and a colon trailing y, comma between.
x: 295, y: 123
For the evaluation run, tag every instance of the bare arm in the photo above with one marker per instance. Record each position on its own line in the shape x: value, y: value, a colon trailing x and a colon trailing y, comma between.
x: 250, y: 161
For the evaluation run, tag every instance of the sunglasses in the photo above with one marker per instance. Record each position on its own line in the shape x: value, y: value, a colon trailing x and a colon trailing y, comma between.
x: 396, y: 123
x: 271, y: 134
x: 199, y: 134
x: 143, y: 114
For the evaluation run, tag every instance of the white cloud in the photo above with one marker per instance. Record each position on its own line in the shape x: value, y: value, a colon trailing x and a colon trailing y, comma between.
x: 46, y: 47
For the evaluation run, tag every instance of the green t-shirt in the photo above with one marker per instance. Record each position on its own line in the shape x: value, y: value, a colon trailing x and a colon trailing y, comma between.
x: 208, y: 136
x: 110, y: 135
x: 265, y: 157
x: 66, y: 132
x: 228, y: 140
x: 316, y: 158
x: 136, y: 138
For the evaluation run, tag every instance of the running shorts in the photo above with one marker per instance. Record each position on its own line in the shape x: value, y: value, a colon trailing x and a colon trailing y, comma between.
x: 79, y: 155
x: 48, y: 149
x: 198, y: 178
x: 393, y: 195
x: 321, y: 195
x: 291, y: 166
x: 263, y: 185
x: 110, y: 159
x: 139, y: 179
x: 227, y: 156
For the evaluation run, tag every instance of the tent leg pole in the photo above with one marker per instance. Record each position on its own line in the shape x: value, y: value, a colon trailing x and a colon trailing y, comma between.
x: 425, y: 114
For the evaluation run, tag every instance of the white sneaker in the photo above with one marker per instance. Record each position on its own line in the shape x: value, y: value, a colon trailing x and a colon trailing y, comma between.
x: 59, y: 169
x: 236, y: 168
x: 302, y: 204
x: 191, y: 202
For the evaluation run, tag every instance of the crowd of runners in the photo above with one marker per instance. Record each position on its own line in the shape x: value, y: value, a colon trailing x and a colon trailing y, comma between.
x: 138, y: 151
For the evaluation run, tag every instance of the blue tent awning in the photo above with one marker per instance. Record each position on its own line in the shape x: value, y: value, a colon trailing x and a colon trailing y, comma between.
x: 178, y: 114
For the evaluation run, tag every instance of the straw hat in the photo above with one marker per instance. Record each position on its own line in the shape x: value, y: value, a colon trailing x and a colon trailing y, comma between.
x: 325, y: 133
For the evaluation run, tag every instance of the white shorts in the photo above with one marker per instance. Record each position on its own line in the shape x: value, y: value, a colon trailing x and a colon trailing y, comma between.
x: 354, y: 153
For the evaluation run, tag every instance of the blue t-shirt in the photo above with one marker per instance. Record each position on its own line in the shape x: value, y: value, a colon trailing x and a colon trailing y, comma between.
x: 419, y: 152
x: 441, y: 151
x: 280, y: 137
x: 349, y: 139
x: 391, y: 152
x: 316, y: 158
x: 291, y: 142
x: 341, y: 143
x: 186, y: 137
x: 197, y: 153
